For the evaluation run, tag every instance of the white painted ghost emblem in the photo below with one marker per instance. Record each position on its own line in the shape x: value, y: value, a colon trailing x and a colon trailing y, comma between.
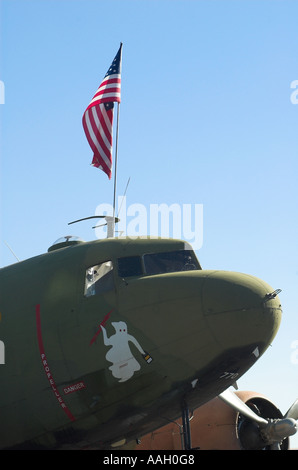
x: 124, y: 365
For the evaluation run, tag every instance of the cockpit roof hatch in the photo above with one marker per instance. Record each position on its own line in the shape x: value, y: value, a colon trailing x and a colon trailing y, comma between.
x: 68, y: 240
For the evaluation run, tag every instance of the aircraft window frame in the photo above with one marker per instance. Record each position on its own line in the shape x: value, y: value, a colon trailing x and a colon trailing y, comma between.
x: 130, y: 271
x: 99, y: 278
x: 168, y: 263
x: 161, y: 262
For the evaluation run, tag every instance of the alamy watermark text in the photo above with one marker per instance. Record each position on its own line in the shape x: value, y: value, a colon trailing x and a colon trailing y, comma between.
x: 181, y: 221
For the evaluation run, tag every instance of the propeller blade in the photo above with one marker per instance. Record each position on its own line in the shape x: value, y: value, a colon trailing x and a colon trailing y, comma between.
x: 279, y: 429
x: 293, y: 411
x: 231, y: 399
x: 272, y: 431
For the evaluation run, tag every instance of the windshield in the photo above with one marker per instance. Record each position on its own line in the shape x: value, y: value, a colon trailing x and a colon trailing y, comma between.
x: 158, y: 263
x: 169, y: 262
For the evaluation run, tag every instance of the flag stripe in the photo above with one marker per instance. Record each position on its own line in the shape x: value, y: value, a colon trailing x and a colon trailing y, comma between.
x: 98, y: 116
x: 112, y: 81
x: 106, y: 98
x: 100, y: 128
x: 95, y: 142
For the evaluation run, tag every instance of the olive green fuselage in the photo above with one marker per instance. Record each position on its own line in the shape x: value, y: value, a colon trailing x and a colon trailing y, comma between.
x: 101, y: 345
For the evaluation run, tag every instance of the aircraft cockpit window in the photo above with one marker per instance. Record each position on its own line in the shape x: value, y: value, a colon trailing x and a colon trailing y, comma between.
x: 130, y: 266
x: 99, y: 279
x: 169, y: 262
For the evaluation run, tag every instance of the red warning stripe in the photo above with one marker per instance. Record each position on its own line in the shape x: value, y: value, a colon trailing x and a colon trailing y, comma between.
x: 47, y: 368
x: 99, y: 328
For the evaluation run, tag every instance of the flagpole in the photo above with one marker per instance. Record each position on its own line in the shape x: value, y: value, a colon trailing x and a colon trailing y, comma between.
x: 115, y: 171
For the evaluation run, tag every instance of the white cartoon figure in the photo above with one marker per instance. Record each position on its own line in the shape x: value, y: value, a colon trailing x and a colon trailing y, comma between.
x: 124, y: 365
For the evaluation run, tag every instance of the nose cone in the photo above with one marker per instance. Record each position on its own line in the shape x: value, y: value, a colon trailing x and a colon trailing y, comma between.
x: 239, y: 310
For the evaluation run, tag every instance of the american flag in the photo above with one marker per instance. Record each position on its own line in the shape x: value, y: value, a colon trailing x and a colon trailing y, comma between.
x: 98, y: 117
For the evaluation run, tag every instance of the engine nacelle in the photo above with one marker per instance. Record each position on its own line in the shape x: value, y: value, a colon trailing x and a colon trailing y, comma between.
x: 217, y: 426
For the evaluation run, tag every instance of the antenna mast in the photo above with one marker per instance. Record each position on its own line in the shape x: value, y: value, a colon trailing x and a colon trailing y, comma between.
x: 110, y: 222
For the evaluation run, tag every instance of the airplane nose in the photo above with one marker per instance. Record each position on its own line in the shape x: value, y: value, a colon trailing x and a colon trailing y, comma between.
x: 241, y: 309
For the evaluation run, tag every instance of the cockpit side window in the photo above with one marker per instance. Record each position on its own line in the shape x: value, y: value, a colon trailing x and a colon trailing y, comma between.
x: 130, y: 266
x: 99, y: 278
x: 169, y: 262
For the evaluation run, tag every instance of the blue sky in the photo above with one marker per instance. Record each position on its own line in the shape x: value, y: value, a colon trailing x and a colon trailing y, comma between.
x: 206, y: 118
